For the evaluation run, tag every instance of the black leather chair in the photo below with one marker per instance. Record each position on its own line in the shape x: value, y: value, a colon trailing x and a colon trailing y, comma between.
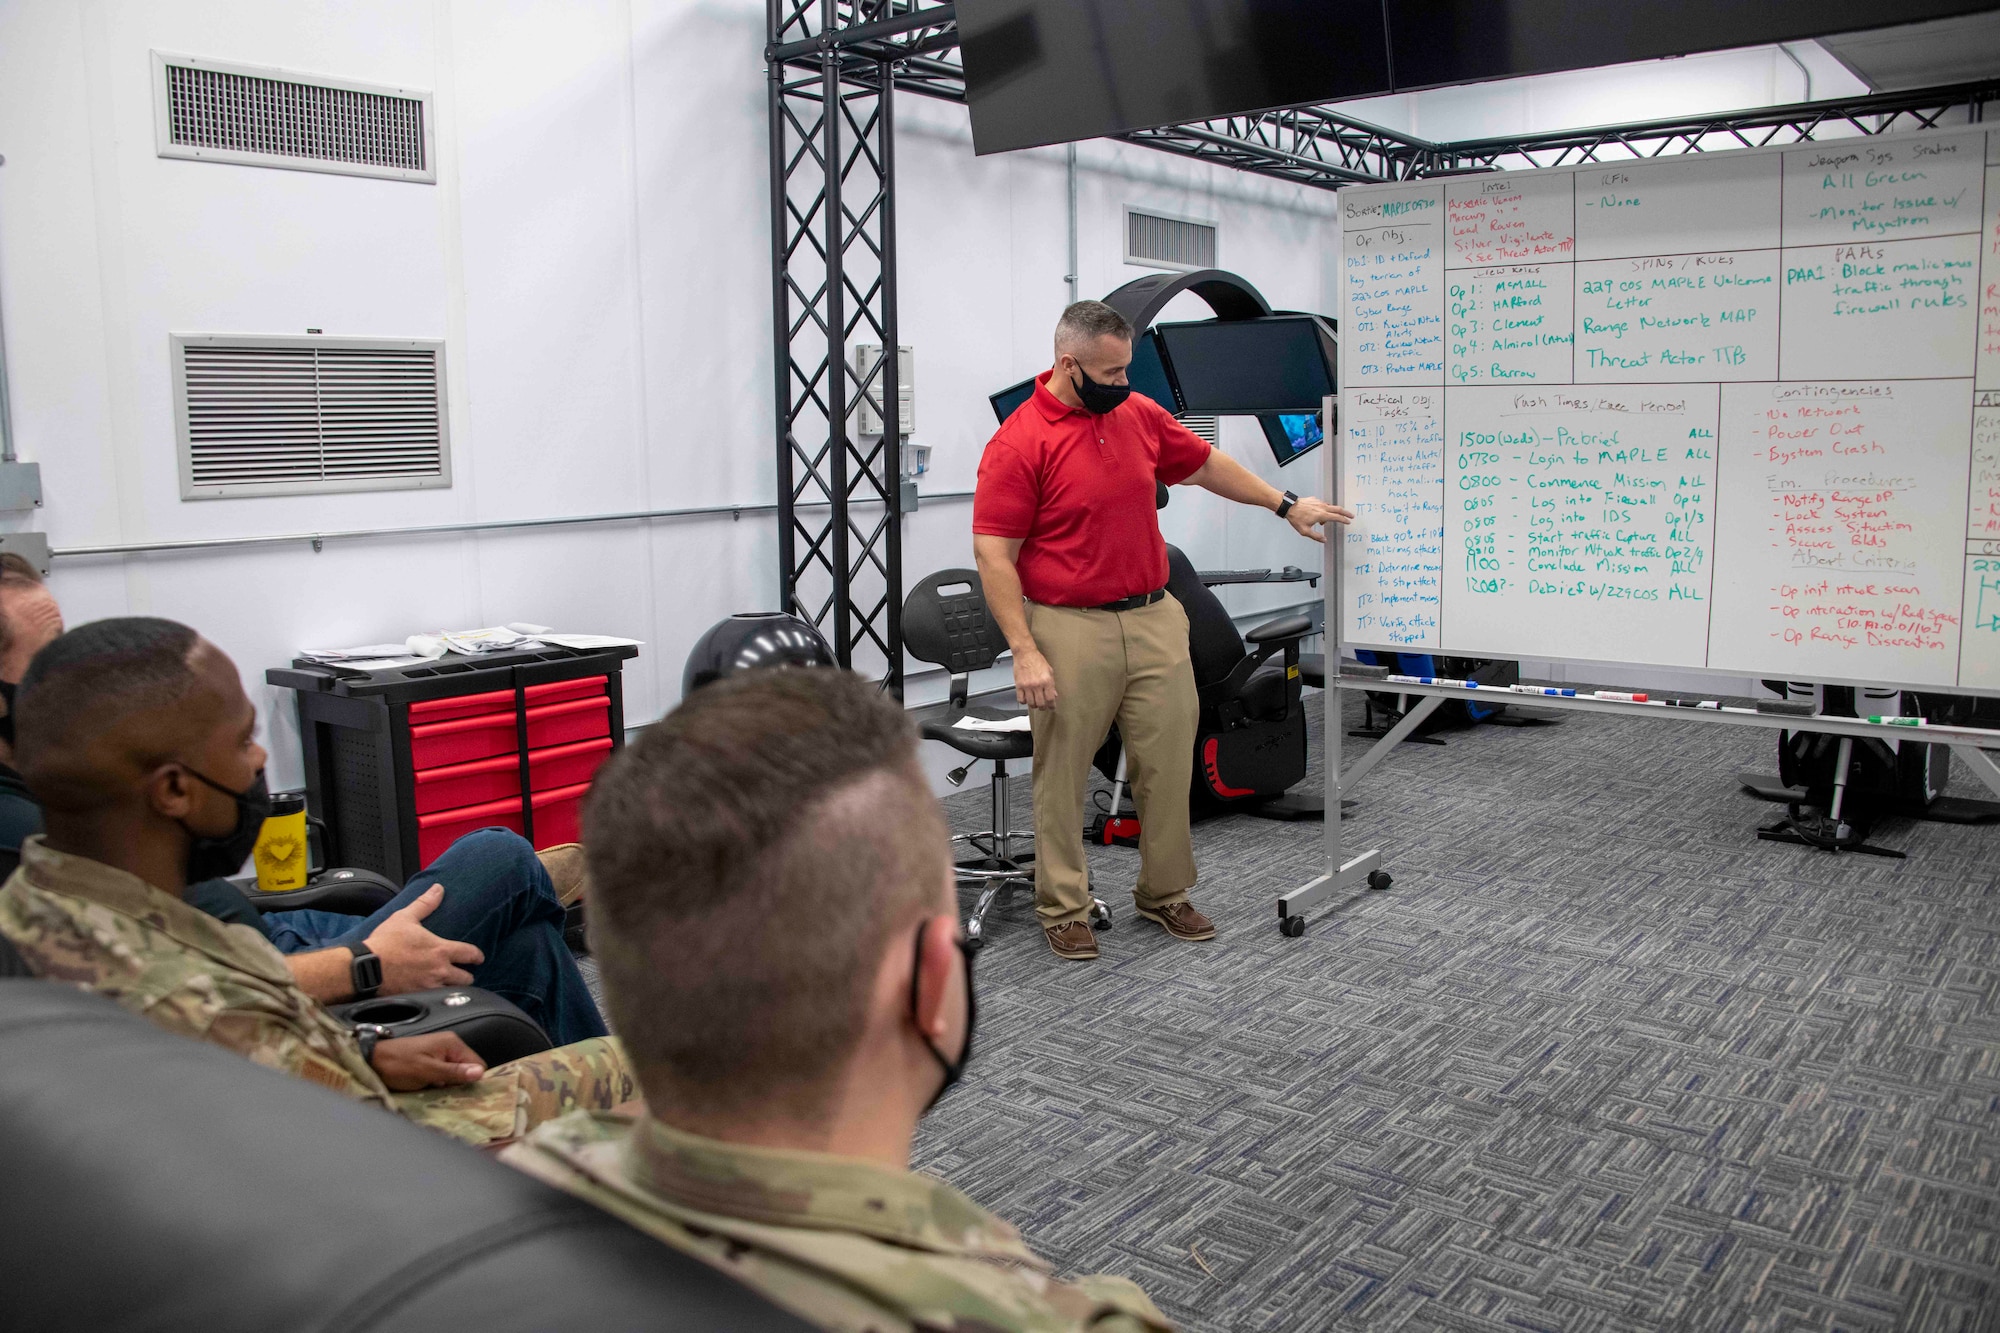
x: 1250, y: 742
x: 945, y: 622
x: 158, y: 1183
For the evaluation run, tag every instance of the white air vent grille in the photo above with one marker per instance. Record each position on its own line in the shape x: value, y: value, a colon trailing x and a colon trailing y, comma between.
x: 282, y: 416
x: 1205, y: 427
x: 258, y: 117
x: 1159, y: 241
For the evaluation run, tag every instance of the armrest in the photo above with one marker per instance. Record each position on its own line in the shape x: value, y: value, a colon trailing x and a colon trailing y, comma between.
x: 350, y: 892
x: 1285, y: 627
x: 494, y: 1028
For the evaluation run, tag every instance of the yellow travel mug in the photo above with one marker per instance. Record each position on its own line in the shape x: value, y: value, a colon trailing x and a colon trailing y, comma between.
x: 280, y: 855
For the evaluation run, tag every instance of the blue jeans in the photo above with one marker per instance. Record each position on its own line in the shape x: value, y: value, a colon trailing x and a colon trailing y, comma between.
x: 496, y: 896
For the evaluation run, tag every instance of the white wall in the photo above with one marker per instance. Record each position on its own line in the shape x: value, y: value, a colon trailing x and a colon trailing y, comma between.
x: 595, y: 256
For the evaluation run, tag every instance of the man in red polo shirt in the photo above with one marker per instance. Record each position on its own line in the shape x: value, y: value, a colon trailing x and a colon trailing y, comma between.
x: 1067, y: 537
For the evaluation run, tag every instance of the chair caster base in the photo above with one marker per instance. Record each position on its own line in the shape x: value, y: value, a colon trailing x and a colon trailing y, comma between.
x: 1100, y: 915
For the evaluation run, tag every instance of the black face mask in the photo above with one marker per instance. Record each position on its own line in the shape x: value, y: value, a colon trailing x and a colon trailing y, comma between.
x: 953, y: 1069
x: 1099, y: 398
x: 212, y: 858
x: 7, y: 688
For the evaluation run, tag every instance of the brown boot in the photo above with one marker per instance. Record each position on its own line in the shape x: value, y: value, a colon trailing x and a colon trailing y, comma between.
x: 1181, y: 921
x: 1073, y: 940
x: 567, y: 870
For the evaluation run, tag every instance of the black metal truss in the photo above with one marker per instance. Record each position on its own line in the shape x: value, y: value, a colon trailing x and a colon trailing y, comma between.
x: 833, y: 255
x: 835, y: 66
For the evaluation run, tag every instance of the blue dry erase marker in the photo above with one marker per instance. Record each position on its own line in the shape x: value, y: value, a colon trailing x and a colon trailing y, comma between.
x: 1543, y: 689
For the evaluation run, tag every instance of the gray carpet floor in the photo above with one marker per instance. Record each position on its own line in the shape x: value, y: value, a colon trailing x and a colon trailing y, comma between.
x: 1598, y: 1060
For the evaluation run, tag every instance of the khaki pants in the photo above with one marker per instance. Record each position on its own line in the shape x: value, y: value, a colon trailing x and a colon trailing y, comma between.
x: 1132, y: 668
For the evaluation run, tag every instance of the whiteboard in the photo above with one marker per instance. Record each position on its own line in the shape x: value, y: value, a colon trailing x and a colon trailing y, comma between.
x: 1736, y: 412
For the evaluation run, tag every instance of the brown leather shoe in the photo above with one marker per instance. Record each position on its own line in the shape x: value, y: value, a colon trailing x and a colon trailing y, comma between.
x: 1181, y: 921
x: 567, y: 870
x: 1073, y: 940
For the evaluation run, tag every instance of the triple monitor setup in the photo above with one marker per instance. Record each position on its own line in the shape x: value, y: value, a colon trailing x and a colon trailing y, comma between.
x: 1276, y: 366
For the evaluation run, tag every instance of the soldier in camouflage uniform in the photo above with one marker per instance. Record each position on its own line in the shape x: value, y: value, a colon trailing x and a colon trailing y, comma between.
x: 771, y: 907
x: 113, y: 721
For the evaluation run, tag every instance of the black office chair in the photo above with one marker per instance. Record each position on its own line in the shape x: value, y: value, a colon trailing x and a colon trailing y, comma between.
x: 1250, y: 742
x: 155, y: 1182
x: 945, y: 622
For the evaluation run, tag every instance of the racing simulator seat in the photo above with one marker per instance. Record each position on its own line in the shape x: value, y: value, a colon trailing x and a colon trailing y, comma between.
x: 156, y: 1182
x: 1250, y: 744
x: 946, y: 623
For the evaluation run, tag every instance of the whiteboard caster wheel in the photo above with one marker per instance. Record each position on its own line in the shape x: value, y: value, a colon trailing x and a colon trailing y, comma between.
x: 1379, y: 879
x: 1100, y: 915
x: 1292, y: 927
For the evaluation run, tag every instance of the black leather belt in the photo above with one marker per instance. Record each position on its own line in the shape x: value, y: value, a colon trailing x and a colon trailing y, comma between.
x: 1133, y: 603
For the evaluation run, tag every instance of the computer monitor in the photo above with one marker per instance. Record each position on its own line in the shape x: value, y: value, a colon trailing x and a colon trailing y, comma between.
x: 1280, y: 363
x: 1010, y: 398
x: 1148, y: 374
x: 1291, y: 434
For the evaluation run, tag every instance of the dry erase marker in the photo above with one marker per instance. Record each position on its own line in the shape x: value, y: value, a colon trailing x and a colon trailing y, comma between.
x: 1619, y: 698
x: 1691, y: 703
x: 1434, y: 680
x: 1543, y: 689
x: 1728, y: 709
x: 1899, y: 721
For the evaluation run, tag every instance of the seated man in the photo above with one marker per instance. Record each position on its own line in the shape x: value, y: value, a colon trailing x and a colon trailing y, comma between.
x: 137, y: 738
x: 773, y: 911
x: 483, y: 914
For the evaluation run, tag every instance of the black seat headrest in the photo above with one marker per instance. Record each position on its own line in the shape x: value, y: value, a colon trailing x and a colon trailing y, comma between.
x: 1214, y: 646
x: 156, y: 1182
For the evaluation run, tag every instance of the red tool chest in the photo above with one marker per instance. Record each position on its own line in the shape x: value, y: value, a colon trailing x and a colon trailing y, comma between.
x: 401, y: 763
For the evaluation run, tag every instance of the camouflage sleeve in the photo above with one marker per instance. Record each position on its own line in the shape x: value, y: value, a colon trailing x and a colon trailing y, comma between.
x: 582, y: 1076
x: 264, y: 1039
x: 515, y: 1097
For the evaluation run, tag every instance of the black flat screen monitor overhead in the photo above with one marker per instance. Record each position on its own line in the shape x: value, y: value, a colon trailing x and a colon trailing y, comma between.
x: 1281, y: 363
x: 1055, y: 71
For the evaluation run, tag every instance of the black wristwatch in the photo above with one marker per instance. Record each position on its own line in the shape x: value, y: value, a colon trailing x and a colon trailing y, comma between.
x: 364, y: 974
x: 368, y: 1034
x: 1285, y: 505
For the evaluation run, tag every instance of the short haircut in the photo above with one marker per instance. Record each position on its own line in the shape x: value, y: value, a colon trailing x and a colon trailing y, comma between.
x: 752, y: 856
x: 16, y: 568
x: 84, y: 686
x: 1085, y: 322
x: 15, y: 572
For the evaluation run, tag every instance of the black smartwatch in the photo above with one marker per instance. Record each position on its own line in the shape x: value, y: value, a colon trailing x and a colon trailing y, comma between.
x: 364, y: 973
x: 1285, y: 505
